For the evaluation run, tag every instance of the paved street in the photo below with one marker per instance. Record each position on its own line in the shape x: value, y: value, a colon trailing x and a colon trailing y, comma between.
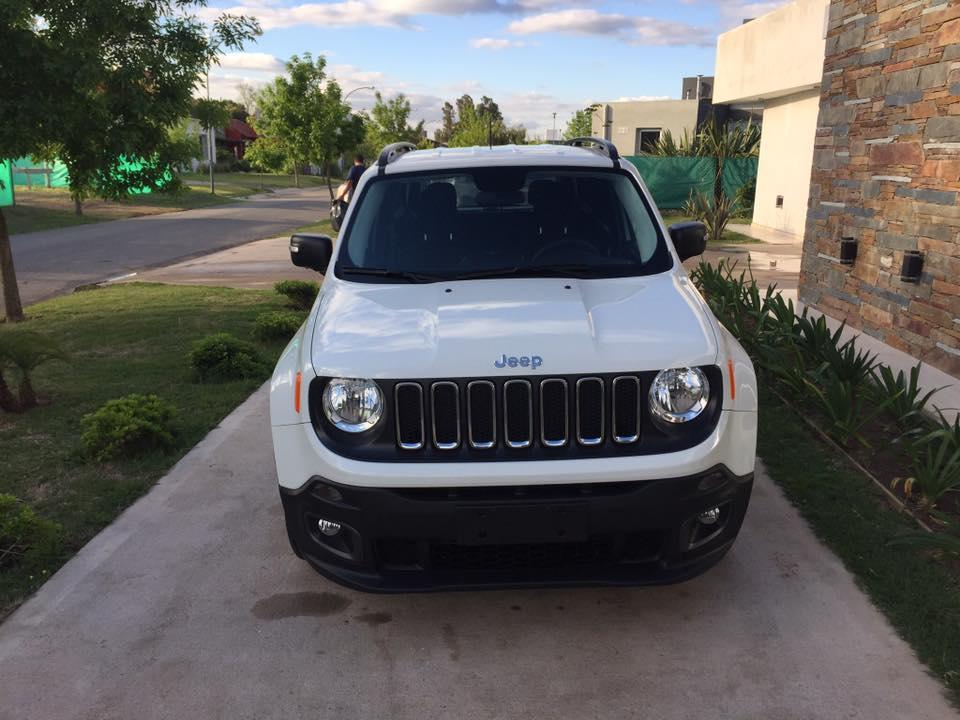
x: 51, y: 262
x: 192, y: 606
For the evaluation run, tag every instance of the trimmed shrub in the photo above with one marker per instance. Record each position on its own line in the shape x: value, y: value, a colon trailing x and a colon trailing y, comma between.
x: 26, y: 539
x: 277, y: 324
x: 129, y: 425
x: 300, y: 293
x: 222, y: 357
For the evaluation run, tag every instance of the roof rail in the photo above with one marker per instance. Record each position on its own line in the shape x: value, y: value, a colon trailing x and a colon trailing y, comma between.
x: 391, y: 153
x: 604, y: 146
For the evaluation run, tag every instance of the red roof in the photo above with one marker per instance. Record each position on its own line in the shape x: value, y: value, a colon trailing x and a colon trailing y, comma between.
x: 239, y: 130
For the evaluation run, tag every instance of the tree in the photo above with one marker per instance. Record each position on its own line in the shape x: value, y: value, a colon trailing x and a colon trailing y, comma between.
x: 389, y: 122
x: 99, y: 83
x: 581, y: 124
x: 477, y: 124
x: 306, y: 117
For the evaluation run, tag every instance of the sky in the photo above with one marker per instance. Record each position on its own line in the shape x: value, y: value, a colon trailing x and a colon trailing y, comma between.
x: 534, y: 57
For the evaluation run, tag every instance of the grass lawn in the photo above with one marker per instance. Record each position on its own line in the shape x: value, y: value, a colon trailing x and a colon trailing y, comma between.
x: 919, y: 597
x: 48, y: 208
x: 729, y: 236
x: 121, y: 339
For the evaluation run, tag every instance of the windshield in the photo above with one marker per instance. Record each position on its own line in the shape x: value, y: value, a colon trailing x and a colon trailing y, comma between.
x: 501, y: 222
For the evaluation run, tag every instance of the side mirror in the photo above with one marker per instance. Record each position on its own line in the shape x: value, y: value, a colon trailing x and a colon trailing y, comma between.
x: 311, y: 251
x: 689, y: 238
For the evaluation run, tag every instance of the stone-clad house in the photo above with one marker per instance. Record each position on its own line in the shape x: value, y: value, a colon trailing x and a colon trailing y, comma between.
x: 886, y: 172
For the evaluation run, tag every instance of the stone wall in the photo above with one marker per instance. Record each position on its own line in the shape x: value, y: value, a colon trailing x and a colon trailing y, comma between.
x: 886, y: 170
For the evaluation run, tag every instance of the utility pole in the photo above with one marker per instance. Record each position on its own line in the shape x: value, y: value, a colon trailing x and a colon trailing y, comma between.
x: 211, y: 151
x: 554, y: 127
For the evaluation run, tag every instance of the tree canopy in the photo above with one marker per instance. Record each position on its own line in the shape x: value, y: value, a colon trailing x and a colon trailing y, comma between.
x: 477, y: 124
x: 304, y: 115
x: 99, y: 83
x: 581, y: 124
x: 389, y: 122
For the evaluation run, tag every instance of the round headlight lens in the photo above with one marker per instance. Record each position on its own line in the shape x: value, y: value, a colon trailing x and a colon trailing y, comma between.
x: 678, y: 395
x: 353, y: 405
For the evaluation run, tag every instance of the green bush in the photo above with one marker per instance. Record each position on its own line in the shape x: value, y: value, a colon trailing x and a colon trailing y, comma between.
x: 26, y: 540
x: 128, y: 425
x: 222, y: 357
x: 300, y: 293
x: 277, y: 324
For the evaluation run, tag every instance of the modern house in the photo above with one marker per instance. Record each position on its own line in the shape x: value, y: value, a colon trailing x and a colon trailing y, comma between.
x: 775, y: 63
x: 886, y: 175
x: 634, y: 125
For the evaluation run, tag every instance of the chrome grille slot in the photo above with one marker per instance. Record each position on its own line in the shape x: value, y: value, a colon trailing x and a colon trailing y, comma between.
x: 481, y: 414
x: 408, y: 397
x: 590, y: 411
x: 517, y: 413
x: 626, y: 409
x: 445, y: 404
x: 554, y: 413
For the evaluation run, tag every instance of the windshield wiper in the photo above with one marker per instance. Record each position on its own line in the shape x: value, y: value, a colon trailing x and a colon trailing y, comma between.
x: 570, y: 270
x: 390, y: 274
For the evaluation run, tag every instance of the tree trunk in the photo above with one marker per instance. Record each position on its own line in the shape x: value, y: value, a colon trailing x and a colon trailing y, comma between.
x: 296, y: 174
x: 8, y: 277
x: 7, y: 401
x: 77, y: 205
x: 28, y: 398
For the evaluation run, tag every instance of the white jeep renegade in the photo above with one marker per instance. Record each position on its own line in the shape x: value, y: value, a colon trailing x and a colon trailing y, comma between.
x: 507, y: 379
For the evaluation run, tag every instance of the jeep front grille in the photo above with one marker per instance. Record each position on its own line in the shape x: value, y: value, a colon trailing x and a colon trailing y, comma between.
x: 522, y: 414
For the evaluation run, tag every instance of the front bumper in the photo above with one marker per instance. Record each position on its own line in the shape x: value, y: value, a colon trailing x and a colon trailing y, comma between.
x: 613, y: 533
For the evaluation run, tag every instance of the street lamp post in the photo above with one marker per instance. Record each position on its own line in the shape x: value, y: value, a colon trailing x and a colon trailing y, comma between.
x: 362, y: 87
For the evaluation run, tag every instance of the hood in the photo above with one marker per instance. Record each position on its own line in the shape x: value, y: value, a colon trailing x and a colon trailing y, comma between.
x: 511, y: 326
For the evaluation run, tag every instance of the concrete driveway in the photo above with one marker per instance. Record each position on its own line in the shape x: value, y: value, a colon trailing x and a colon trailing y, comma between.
x: 52, y: 262
x: 192, y: 606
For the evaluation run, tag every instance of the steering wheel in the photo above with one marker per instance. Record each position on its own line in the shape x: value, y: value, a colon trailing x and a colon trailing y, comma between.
x: 552, y: 248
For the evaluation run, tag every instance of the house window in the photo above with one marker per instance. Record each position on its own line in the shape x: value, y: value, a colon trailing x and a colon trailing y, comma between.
x: 646, y: 139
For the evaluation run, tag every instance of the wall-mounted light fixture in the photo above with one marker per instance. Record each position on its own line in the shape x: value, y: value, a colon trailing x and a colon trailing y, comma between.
x: 848, y: 250
x: 779, y: 201
x: 912, y: 266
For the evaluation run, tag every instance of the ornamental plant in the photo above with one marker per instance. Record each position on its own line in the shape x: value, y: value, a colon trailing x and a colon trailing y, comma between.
x: 128, y: 426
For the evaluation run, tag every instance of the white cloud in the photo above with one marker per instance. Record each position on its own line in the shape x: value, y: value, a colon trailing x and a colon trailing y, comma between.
x: 641, y: 98
x: 734, y: 12
x: 335, y: 14
x: 258, y: 62
x: 487, y: 43
x: 629, y: 29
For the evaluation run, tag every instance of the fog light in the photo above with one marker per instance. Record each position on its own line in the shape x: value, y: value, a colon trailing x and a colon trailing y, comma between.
x: 709, y: 517
x: 328, y: 527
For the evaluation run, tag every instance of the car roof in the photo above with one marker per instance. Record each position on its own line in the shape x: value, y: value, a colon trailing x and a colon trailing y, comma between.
x: 500, y: 155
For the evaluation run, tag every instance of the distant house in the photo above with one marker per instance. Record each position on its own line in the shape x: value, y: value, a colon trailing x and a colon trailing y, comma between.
x: 635, y: 125
x: 236, y: 136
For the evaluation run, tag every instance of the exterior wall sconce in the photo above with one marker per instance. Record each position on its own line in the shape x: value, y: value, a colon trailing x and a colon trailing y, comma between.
x: 912, y: 266
x: 848, y: 250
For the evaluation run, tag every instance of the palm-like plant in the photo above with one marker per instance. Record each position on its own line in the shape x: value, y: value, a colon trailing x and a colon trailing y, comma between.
x: 714, y: 212
x: 669, y: 146
x: 24, y: 350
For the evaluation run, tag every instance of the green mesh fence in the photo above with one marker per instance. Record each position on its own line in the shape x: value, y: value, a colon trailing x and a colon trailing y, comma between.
x: 738, y: 172
x: 672, y: 179
x: 6, y: 184
x: 28, y: 172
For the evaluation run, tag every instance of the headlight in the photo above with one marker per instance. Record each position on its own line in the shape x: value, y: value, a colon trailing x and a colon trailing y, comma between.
x: 353, y: 405
x: 679, y: 395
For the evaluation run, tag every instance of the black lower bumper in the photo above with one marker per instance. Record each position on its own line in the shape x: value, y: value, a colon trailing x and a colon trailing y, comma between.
x: 624, y: 533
